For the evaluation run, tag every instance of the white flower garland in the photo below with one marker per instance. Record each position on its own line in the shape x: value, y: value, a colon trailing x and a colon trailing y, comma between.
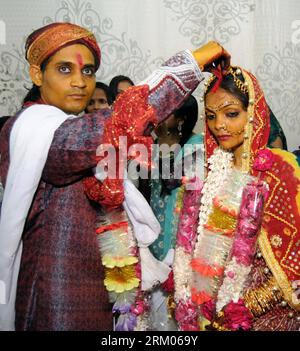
x: 182, y: 274
x: 220, y: 166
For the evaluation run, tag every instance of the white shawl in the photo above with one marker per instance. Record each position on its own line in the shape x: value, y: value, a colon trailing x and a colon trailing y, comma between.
x: 29, y: 144
x: 146, y: 229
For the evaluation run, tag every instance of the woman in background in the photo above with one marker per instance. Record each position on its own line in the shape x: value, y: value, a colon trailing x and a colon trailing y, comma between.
x: 277, y: 138
x: 118, y: 84
x: 101, y: 98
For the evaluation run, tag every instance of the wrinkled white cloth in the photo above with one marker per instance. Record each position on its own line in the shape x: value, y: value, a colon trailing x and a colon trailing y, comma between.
x: 146, y: 229
x: 29, y: 144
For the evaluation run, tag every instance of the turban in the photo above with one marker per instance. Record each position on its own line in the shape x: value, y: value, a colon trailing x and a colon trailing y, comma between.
x: 46, y: 41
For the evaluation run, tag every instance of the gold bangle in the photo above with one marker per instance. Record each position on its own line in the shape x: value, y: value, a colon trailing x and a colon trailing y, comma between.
x: 262, y: 299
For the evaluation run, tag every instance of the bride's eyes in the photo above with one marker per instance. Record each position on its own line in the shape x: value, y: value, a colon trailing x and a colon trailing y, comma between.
x: 210, y: 116
x: 232, y: 114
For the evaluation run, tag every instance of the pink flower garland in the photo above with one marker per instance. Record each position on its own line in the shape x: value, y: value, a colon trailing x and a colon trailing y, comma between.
x: 236, y: 314
x: 188, y: 221
x: 186, y: 316
x: 249, y: 222
x: 186, y: 311
x: 263, y: 160
x: 168, y: 285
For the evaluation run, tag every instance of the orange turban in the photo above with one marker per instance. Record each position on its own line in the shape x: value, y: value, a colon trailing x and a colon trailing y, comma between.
x: 46, y: 41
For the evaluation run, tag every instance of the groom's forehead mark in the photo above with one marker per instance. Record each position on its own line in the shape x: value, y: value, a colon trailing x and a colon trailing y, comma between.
x: 79, y: 59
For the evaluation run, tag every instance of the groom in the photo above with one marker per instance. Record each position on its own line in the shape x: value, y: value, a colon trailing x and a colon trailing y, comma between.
x: 49, y: 257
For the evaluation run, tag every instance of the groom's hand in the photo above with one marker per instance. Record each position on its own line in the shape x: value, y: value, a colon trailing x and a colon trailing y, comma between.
x: 211, y: 55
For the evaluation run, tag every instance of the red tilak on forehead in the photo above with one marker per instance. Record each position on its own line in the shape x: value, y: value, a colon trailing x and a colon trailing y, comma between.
x: 79, y: 59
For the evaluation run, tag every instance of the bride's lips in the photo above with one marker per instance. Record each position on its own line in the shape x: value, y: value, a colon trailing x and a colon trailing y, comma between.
x: 223, y: 137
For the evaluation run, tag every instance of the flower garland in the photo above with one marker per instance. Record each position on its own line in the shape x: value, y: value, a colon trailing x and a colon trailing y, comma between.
x: 229, y: 312
x: 185, y: 312
x: 122, y: 268
x: 244, y: 245
x: 120, y: 257
x: 220, y: 166
x: 236, y: 315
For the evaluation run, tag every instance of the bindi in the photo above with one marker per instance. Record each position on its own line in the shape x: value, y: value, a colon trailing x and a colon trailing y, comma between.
x: 79, y: 59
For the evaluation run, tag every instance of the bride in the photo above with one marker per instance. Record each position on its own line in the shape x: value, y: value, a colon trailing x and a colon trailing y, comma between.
x: 237, y: 257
